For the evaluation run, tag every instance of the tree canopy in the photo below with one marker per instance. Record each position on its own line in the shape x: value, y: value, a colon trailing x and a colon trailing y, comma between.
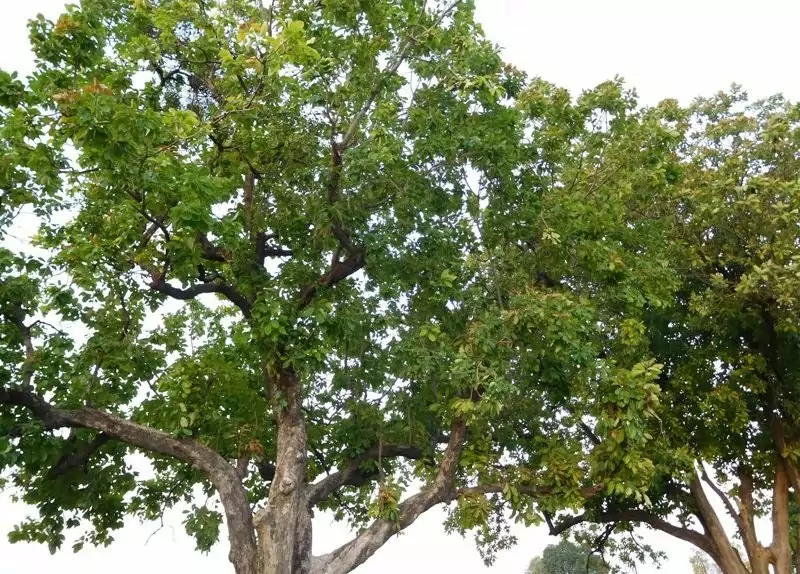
x: 340, y: 256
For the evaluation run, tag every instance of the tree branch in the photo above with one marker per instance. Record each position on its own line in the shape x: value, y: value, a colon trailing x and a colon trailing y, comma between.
x: 352, y: 474
x: 212, y: 252
x: 355, y: 254
x: 159, y: 284
x: 77, y: 457
x: 339, y: 271
x: 700, y: 540
x: 222, y: 475
x: 780, y: 548
x: 349, y: 556
x: 393, y: 66
x: 747, y: 513
x: 725, y: 551
x: 587, y: 492
x: 263, y: 250
x: 16, y: 316
x: 722, y: 496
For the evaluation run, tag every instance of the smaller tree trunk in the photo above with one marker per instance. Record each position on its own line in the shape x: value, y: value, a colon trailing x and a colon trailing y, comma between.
x: 781, y: 549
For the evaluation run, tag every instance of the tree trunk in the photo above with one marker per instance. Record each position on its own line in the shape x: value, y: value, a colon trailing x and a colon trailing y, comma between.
x: 781, y: 549
x: 284, y: 524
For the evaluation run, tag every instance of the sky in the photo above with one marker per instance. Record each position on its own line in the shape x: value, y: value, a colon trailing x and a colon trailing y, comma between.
x: 663, y: 48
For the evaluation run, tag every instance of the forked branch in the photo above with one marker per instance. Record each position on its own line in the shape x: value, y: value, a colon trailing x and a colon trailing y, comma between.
x: 348, y: 557
x: 352, y: 473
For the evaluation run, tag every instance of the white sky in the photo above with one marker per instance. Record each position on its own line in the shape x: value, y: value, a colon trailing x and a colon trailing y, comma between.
x: 663, y: 48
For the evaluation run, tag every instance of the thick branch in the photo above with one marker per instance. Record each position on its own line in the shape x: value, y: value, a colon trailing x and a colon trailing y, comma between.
x: 354, y: 553
x: 726, y: 554
x: 780, y: 547
x: 212, y: 252
x: 263, y: 250
x: 162, y: 286
x: 77, y: 457
x: 747, y: 512
x: 722, y: 496
x: 352, y: 474
x: 700, y: 540
x: 339, y: 271
x: 222, y: 475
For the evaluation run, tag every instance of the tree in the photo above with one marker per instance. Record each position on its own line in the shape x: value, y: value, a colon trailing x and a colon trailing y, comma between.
x: 728, y: 340
x: 567, y: 558
x: 700, y: 564
x: 320, y: 256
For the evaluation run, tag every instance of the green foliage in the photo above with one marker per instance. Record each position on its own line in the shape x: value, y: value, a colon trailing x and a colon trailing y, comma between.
x: 203, y: 524
x: 363, y: 196
x: 567, y: 558
x: 726, y: 337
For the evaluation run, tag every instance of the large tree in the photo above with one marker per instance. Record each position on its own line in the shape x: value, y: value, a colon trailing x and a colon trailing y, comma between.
x: 311, y: 255
x: 728, y: 341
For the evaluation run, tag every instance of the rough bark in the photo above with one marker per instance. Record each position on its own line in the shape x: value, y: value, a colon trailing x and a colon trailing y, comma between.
x: 756, y: 553
x: 352, y: 474
x: 284, y: 524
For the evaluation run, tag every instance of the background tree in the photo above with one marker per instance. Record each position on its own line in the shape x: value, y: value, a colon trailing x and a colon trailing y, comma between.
x: 302, y: 256
x: 701, y: 564
x: 568, y: 558
x: 728, y: 339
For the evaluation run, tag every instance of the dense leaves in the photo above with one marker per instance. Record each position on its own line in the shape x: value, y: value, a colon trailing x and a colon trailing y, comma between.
x: 326, y: 254
x: 727, y: 339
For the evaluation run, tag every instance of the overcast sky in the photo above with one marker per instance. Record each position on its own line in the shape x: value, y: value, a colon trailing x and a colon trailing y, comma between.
x: 663, y: 48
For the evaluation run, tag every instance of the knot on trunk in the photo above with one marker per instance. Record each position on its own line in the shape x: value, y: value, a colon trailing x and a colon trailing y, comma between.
x: 286, y: 486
